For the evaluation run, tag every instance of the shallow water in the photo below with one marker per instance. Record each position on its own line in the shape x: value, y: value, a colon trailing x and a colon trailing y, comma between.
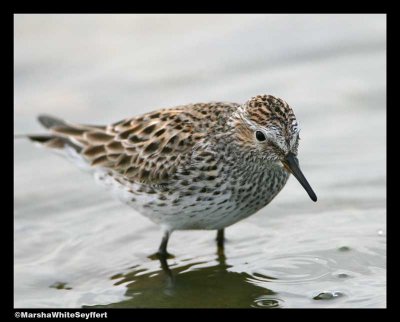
x: 74, y: 246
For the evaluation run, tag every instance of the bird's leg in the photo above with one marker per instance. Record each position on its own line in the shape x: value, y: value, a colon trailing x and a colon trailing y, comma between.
x: 220, y: 238
x: 162, y: 250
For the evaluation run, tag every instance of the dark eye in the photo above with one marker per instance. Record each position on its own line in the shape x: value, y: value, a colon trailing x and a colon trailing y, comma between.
x: 260, y: 136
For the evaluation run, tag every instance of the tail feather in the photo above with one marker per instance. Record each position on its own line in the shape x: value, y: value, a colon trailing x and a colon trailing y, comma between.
x: 57, y: 139
x: 40, y: 138
x: 67, y: 139
x: 59, y: 127
x: 54, y: 142
x: 62, y: 133
x: 49, y: 121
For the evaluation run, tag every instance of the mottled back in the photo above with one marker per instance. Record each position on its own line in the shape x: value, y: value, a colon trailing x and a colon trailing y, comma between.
x: 148, y: 148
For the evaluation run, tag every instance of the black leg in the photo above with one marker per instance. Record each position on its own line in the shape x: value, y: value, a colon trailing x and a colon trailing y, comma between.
x: 220, y: 238
x: 162, y: 250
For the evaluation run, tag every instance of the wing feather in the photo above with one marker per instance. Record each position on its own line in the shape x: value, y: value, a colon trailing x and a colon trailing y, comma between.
x: 147, y: 149
x: 150, y: 148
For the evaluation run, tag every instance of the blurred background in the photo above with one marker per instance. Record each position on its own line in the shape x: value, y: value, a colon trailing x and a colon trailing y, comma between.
x: 75, y: 246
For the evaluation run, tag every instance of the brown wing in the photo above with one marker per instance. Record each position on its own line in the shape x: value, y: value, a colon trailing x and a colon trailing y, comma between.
x: 147, y: 149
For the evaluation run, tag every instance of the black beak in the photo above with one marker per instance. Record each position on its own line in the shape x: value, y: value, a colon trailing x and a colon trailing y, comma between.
x: 292, y: 165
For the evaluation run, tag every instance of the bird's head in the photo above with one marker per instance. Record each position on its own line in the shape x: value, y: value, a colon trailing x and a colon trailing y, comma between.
x: 267, y: 126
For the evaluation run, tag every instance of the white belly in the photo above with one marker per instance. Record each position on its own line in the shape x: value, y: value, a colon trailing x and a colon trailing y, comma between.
x: 201, y: 210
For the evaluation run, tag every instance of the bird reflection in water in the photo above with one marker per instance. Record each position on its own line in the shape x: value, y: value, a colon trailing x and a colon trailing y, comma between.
x: 197, y: 284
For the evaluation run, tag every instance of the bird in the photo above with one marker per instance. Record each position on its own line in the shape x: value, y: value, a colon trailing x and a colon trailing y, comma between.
x: 196, y: 166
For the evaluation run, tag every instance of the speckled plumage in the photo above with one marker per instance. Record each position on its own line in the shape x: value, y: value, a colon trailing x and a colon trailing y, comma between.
x: 196, y: 166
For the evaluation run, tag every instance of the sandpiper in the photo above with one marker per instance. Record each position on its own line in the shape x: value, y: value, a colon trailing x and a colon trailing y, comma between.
x: 195, y: 166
